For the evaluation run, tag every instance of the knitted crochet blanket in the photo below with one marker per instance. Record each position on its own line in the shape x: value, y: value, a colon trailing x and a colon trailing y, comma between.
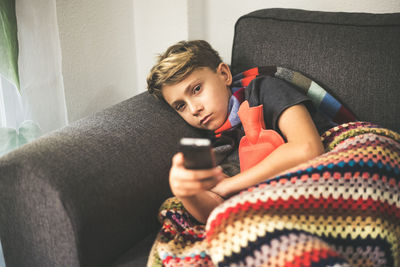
x: 339, y: 209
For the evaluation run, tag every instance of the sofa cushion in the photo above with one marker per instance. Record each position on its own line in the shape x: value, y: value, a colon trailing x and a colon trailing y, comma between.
x: 355, y: 56
x: 137, y: 255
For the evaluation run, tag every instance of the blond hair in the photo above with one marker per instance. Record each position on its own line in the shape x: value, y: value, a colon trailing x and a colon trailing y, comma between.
x: 178, y: 62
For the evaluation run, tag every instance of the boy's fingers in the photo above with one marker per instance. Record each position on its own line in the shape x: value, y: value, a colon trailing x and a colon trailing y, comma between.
x: 211, y: 182
x: 192, y: 174
x: 178, y: 159
x: 187, y: 187
x: 195, y: 187
x: 203, y: 183
x: 199, y: 175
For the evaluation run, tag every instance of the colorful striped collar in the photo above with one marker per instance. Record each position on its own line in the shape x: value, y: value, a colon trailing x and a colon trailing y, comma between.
x: 322, y: 100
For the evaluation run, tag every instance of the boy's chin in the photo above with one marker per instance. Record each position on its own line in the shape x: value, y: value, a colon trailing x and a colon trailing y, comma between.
x: 210, y: 128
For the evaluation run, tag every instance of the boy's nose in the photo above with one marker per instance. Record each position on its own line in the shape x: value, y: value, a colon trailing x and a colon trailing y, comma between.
x: 195, y: 109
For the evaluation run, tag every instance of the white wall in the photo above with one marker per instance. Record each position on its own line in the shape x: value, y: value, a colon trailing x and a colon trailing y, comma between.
x: 98, y: 53
x: 214, y: 21
x: 157, y: 24
x: 108, y: 47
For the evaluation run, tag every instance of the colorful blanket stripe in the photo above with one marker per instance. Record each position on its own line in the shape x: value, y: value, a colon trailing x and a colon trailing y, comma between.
x: 322, y: 100
x: 235, y: 101
x: 339, y: 209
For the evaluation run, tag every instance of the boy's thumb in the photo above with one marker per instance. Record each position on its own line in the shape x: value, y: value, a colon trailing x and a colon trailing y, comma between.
x: 178, y: 159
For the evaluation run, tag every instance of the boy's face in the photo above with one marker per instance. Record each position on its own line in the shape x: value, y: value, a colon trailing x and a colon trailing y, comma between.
x: 202, y: 98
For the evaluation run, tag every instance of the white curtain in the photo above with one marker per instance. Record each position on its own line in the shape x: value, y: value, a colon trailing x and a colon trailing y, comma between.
x: 40, y: 106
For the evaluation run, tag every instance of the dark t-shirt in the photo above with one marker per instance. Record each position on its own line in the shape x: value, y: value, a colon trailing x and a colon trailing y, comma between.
x: 276, y: 96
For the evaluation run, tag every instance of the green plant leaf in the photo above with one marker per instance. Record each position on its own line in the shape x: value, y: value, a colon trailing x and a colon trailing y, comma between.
x: 11, y: 139
x: 9, y: 42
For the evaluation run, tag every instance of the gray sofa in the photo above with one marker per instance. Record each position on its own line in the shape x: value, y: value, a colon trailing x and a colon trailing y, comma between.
x: 88, y: 194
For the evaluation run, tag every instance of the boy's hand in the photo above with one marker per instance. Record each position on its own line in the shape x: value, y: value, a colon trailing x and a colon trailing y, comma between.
x: 220, y: 189
x: 186, y: 183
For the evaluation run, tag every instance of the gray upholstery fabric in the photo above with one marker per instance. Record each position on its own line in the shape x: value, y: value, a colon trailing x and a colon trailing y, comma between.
x: 137, y: 255
x: 88, y: 194
x: 355, y: 56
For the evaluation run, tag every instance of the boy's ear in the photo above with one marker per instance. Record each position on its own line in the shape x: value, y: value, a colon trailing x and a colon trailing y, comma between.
x: 225, y: 71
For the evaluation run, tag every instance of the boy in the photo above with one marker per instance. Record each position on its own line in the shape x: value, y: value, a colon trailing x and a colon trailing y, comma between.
x: 193, y: 80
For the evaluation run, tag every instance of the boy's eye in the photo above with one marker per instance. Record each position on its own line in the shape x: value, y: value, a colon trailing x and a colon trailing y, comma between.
x: 196, y: 88
x: 179, y: 107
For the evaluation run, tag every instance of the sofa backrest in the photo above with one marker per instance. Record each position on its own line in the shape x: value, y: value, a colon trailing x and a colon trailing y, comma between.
x: 354, y: 56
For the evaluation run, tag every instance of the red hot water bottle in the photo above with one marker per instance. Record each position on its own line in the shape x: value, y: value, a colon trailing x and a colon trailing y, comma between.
x: 258, y: 142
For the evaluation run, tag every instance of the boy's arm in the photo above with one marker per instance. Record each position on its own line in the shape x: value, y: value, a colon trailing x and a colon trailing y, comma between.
x: 303, y: 143
x: 192, y: 188
x: 201, y: 204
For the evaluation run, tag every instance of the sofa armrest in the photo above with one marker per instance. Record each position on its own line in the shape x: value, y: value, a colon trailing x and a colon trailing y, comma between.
x: 85, y: 194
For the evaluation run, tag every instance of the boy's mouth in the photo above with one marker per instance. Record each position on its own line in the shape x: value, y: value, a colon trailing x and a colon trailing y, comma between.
x: 205, y: 119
